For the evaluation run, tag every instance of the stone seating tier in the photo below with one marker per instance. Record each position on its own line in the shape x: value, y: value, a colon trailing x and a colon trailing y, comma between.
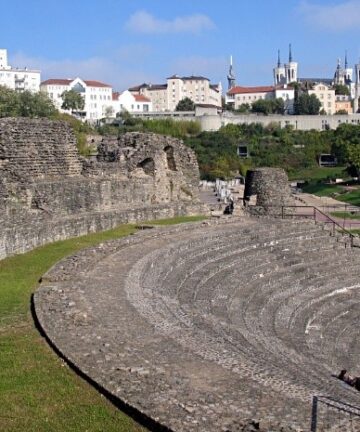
x: 201, y: 327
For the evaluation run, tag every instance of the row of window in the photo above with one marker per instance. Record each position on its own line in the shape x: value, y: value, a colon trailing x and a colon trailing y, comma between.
x: 101, y: 97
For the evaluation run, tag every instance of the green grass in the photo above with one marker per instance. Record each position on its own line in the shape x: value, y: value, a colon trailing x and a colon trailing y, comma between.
x: 321, y: 189
x: 345, y: 215
x: 352, y: 197
x: 318, y: 173
x: 177, y: 220
x: 38, y: 392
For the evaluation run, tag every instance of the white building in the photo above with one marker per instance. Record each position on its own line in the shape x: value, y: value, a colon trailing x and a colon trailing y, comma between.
x: 18, y: 79
x: 133, y: 103
x: 326, y: 95
x: 97, y: 96
x: 165, y: 97
x: 248, y: 95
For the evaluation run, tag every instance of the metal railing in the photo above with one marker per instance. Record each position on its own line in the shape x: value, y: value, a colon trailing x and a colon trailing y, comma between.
x: 333, y: 414
x: 313, y: 213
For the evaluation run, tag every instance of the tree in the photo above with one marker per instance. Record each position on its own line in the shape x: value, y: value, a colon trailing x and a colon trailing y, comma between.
x: 307, y: 104
x: 25, y: 104
x: 9, y: 102
x: 342, y: 111
x: 109, y: 111
x: 72, y: 100
x: 35, y: 105
x: 341, y: 89
x: 185, y: 104
x: 243, y: 108
x: 269, y: 106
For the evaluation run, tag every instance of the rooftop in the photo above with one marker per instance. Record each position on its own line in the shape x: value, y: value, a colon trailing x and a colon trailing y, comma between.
x: 66, y: 82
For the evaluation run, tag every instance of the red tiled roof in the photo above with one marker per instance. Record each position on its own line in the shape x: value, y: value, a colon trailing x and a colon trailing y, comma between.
x: 61, y: 81
x: 115, y: 96
x: 57, y: 81
x: 96, y: 84
x: 141, y: 98
x: 242, y: 90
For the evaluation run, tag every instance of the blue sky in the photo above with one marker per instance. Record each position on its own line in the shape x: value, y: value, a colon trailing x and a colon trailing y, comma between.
x: 128, y: 42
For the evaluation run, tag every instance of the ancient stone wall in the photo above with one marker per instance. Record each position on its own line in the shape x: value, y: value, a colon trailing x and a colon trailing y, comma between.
x: 48, y: 192
x: 271, y: 187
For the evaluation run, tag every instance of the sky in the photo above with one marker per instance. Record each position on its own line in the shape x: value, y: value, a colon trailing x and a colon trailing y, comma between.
x: 128, y: 42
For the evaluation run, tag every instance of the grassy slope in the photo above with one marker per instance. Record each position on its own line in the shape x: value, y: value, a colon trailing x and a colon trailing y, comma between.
x: 38, y: 392
x: 318, y: 173
x: 345, y: 215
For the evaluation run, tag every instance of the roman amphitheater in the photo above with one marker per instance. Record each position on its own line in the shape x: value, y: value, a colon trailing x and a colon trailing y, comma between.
x: 231, y: 324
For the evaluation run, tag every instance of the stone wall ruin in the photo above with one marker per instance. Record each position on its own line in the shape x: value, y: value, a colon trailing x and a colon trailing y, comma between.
x: 271, y: 187
x: 49, y: 192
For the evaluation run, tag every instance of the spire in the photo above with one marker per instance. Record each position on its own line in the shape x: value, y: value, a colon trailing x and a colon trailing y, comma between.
x: 290, y: 54
x: 346, y: 61
x: 279, y: 62
x: 231, y: 75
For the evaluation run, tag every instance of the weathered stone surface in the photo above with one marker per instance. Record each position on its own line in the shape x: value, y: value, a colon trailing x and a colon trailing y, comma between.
x: 48, y: 192
x: 271, y: 187
x: 203, y: 327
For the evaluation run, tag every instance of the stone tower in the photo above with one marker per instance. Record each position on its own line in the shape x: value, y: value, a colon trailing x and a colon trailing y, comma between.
x: 279, y: 73
x: 287, y: 73
x: 291, y: 69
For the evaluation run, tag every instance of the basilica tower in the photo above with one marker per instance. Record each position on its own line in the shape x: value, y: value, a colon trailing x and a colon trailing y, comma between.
x: 291, y: 69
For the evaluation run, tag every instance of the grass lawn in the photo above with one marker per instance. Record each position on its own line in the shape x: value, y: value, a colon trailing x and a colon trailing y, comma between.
x: 38, y: 392
x: 318, y: 173
x: 352, y: 197
x: 321, y: 189
x: 345, y: 215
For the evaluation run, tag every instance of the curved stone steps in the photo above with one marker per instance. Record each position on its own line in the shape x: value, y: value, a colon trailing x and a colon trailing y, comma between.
x: 199, y: 326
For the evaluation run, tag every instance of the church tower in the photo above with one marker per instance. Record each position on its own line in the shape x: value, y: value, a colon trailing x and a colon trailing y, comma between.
x: 231, y: 76
x: 291, y: 69
x: 279, y: 73
x: 348, y: 71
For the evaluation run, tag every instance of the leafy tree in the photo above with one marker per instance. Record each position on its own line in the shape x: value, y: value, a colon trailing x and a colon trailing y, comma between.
x: 25, y: 104
x: 243, y: 108
x: 342, y: 111
x: 269, y: 106
x: 35, y: 105
x: 307, y: 104
x: 185, y: 104
x: 9, y: 102
x: 72, y: 100
x: 109, y: 111
x: 341, y: 89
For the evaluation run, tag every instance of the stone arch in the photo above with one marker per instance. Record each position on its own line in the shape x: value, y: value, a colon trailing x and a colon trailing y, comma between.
x: 148, y: 165
x: 169, y: 150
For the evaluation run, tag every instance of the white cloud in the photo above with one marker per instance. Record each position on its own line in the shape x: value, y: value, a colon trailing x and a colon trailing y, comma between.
x: 335, y: 17
x: 112, y: 71
x: 144, y: 22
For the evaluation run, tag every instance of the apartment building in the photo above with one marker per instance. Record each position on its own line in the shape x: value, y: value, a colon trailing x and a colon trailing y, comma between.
x: 326, y: 95
x: 165, y: 97
x: 98, y: 96
x: 19, y: 79
x: 343, y: 103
